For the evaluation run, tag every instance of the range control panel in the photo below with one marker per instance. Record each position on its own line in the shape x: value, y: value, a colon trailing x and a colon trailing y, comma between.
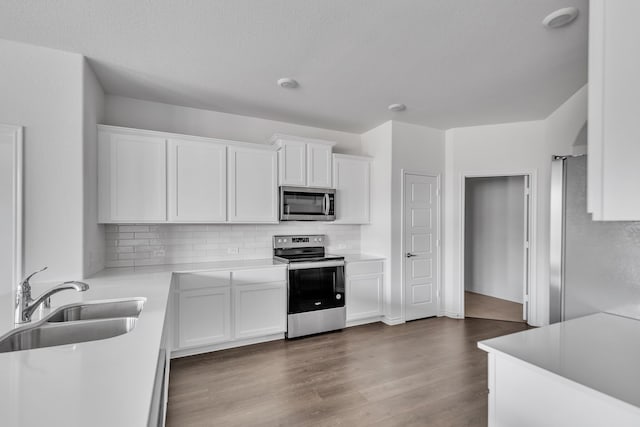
x: 297, y: 241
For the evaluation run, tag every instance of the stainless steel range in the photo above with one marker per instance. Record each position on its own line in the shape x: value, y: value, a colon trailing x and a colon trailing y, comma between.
x: 316, y: 300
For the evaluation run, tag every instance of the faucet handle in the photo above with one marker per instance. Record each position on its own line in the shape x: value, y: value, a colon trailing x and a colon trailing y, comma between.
x: 26, y: 283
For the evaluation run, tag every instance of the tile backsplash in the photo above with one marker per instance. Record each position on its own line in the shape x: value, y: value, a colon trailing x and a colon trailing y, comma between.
x: 144, y: 244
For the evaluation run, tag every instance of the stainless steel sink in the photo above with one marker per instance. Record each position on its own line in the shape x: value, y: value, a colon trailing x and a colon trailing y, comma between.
x: 97, y: 310
x: 76, y: 323
x: 47, y: 334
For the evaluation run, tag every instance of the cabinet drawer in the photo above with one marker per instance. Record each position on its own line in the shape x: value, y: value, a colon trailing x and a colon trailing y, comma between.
x: 188, y: 281
x: 244, y: 277
x: 368, y: 267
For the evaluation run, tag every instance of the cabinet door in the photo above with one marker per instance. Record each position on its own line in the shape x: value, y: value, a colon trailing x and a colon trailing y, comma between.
x: 292, y: 158
x: 364, y: 297
x: 253, y: 185
x: 260, y: 309
x: 352, y: 183
x: 197, y: 181
x: 204, y: 317
x: 613, y: 130
x: 319, y: 165
x: 132, y: 178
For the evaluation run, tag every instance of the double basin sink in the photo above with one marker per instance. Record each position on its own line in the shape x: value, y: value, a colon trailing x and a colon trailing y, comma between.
x: 76, y: 323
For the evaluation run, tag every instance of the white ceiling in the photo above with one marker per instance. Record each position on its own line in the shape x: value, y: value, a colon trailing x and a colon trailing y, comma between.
x: 452, y: 62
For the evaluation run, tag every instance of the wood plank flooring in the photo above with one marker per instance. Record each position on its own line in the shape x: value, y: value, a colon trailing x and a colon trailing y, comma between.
x: 423, y: 373
x: 486, y: 307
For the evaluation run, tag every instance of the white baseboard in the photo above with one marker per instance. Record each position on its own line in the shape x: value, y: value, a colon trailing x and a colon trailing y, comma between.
x: 358, y: 322
x: 392, y: 321
x: 453, y: 315
x: 223, y: 346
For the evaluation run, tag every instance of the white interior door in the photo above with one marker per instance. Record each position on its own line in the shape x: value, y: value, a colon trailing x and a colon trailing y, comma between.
x: 421, y: 255
x: 10, y: 207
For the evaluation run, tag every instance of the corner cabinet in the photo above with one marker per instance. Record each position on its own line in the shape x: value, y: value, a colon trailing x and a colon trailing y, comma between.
x: 132, y: 177
x: 304, y: 162
x: 614, y: 89
x: 253, y: 185
x: 352, y: 181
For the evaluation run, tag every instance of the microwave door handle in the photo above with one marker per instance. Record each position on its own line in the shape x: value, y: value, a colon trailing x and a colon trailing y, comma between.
x: 327, y: 204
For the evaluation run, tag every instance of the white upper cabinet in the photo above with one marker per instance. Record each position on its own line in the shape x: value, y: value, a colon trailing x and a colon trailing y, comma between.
x: 319, y: 165
x: 197, y: 181
x: 132, y: 178
x: 304, y: 162
x: 351, y: 178
x: 253, y: 185
x: 292, y: 158
x: 614, y: 108
x: 159, y: 177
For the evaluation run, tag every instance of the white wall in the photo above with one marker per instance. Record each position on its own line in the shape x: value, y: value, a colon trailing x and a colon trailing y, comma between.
x: 376, y: 236
x: 564, y: 127
x: 395, y: 146
x: 495, y: 149
x: 10, y: 231
x: 494, y: 237
x: 129, y: 112
x: 42, y: 91
x: 93, y: 112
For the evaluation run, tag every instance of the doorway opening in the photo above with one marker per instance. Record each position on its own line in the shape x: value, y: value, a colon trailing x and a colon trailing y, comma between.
x: 496, y: 248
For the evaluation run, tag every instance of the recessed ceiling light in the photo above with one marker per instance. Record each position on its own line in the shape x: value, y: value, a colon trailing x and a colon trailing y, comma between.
x: 560, y: 17
x: 397, y: 107
x: 287, y: 83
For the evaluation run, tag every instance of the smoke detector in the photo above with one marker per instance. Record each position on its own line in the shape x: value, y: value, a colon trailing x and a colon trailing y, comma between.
x: 287, y: 83
x: 397, y: 107
x: 560, y: 17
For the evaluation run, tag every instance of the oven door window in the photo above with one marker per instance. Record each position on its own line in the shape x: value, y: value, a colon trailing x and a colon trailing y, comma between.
x: 303, y: 203
x: 316, y: 289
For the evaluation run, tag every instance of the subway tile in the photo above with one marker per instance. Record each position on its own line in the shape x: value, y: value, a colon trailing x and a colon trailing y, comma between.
x: 133, y: 228
x: 120, y: 263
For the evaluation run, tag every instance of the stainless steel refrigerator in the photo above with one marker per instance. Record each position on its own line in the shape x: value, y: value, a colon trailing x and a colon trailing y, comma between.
x: 595, y: 265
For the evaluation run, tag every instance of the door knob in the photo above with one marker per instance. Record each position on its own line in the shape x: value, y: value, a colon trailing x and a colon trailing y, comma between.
x: 410, y: 255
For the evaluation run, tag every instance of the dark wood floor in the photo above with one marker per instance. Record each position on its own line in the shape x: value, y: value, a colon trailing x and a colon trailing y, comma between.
x: 423, y: 373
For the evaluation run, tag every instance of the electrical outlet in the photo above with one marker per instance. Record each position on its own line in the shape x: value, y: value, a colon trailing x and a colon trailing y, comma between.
x: 233, y: 251
x: 159, y: 252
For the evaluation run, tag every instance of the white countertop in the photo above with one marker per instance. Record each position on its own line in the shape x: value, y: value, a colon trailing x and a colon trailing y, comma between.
x: 601, y: 351
x: 360, y: 257
x: 100, y: 383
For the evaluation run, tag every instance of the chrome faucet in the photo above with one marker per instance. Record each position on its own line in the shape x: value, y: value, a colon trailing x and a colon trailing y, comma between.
x: 25, y: 305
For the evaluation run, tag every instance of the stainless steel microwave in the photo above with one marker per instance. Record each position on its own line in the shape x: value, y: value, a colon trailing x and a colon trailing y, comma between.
x: 307, y: 204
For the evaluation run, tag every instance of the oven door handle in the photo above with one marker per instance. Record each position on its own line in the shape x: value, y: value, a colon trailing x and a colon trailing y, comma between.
x: 318, y: 264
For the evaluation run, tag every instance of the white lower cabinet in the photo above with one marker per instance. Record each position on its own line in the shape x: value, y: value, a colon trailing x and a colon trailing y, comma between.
x: 223, y: 309
x: 204, y: 316
x: 260, y: 310
x: 364, y: 284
